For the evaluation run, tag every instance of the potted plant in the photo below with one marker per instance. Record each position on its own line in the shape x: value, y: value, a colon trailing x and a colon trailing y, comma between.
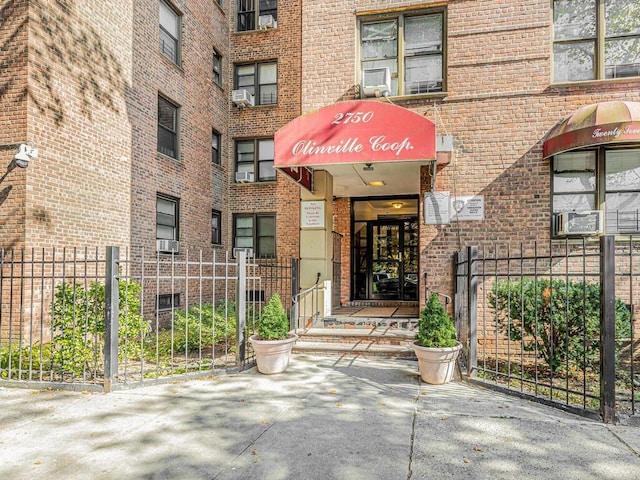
x: 273, y: 342
x: 436, y: 345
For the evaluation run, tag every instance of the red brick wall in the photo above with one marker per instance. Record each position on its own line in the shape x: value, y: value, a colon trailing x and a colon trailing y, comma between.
x: 78, y: 190
x: 13, y: 119
x: 282, y: 197
x: 192, y: 178
x: 499, y: 105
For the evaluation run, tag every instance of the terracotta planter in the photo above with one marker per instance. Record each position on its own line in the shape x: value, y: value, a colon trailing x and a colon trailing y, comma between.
x: 272, y: 356
x: 437, y: 365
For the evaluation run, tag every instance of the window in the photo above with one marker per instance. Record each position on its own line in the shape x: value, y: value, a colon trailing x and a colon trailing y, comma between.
x: 248, y: 163
x: 260, y: 79
x: 167, y: 217
x: 602, y: 179
x: 168, y: 301
x: 249, y: 16
x: 216, y: 229
x: 215, y: 147
x: 167, y: 128
x: 169, y: 32
x: 217, y: 68
x: 415, y: 63
x: 595, y: 39
x: 256, y: 231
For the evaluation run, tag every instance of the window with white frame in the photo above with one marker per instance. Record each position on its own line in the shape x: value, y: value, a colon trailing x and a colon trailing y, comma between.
x: 605, y: 180
x: 216, y: 227
x: 255, y: 155
x: 254, y: 14
x: 169, y: 32
x: 255, y: 231
x: 167, y: 217
x: 217, y: 68
x: 260, y: 80
x: 167, y: 127
x: 409, y: 47
x: 595, y: 39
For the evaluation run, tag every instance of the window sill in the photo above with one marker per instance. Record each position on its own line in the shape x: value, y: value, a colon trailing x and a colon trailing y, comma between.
x: 164, y: 156
x: 266, y: 182
x: 590, y: 83
x: 406, y: 98
x: 256, y: 30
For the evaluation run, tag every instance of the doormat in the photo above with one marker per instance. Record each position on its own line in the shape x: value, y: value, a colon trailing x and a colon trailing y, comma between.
x: 379, y: 312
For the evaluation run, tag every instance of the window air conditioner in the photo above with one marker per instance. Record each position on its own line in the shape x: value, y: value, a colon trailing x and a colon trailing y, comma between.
x: 376, y: 82
x: 168, y: 246
x: 579, y: 223
x: 242, y: 98
x: 266, y: 21
x: 244, y: 177
x: 248, y: 250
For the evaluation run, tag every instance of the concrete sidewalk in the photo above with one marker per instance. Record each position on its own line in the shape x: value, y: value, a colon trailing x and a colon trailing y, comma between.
x: 325, y: 418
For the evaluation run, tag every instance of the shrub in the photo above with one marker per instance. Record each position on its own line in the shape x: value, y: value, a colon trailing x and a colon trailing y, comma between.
x: 78, y: 324
x: 435, y: 327
x: 273, y: 323
x: 200, y: 326
x: 559, y: 320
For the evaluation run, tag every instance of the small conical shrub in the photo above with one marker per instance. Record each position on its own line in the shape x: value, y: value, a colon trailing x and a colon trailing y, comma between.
x: 435, y: 327
x: 274, y: 323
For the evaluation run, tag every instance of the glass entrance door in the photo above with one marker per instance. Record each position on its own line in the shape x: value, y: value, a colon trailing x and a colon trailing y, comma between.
x: 386, y: 260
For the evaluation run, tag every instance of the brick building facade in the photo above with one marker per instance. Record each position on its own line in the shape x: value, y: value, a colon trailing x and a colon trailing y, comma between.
x: 140, y: 140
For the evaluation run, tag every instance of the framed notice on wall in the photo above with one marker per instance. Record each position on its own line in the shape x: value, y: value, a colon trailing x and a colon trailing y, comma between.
x: 312, y: 214
x: 436, y: 208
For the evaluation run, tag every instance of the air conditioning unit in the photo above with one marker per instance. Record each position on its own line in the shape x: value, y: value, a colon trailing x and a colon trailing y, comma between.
x: 589, y: 222
x: 249, y: 251
x: 242, y: 98
x: 168, y: 246
x: 376, y: 82
x: 244, y: 177
x: 266, y: 21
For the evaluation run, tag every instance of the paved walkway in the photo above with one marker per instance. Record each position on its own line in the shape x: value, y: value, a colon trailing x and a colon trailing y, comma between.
x: 325, y: 418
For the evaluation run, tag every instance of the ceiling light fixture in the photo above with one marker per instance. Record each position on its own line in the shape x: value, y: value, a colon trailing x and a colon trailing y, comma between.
x: 376, y: 183
x: 397, y: 205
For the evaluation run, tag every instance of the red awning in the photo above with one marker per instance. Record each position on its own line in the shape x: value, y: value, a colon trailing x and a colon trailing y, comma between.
x: 596, y: 124
x: 363, y: 131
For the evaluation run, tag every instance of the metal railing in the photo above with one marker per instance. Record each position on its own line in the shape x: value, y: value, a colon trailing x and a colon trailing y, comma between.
x: 103, y: 318
x: 554, y: 322
x: 305, y: 311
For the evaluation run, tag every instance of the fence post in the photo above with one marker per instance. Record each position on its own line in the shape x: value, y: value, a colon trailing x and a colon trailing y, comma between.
x: 472, y: 309
x: 241, y: 295
x: 607, y: 329
x: 112, y: 311
x: 458, y: 297
x: 295, y: 289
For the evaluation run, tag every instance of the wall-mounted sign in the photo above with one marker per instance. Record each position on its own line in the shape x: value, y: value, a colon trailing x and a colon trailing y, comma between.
x: 312, y: 214
x: 467, y: 208
x: 360, y: 131
x: 436, y: 208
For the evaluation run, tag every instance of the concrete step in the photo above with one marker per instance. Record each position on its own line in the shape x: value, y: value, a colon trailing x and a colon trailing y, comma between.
x: 404, y: 323
x: 374, y: 342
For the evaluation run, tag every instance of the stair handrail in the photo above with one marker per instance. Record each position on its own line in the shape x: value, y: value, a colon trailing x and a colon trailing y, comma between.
x: 301, y: 297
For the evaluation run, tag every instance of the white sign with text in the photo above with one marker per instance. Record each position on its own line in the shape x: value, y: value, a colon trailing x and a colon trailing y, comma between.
x: 312, y: 214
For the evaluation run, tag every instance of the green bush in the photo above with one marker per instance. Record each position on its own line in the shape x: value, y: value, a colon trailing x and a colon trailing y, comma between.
x: 200, y: 326
x: 273, y: 323
x: 78, y: 324
x: 16, y: 357
x: 435, y: 327
x: 559, y: 320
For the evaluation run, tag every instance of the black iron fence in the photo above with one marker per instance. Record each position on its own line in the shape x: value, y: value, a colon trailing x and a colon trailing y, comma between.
x: 104, y: 318
x: 555, y: 322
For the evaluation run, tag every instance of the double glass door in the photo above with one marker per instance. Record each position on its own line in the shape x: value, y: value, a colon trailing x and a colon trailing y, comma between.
x: 385, y: 254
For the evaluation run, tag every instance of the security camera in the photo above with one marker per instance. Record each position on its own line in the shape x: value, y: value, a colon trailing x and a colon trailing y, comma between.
x: 25, y: 154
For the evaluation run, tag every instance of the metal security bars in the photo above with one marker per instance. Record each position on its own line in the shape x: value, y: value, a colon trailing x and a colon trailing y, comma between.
x: 102, y: 319
x: 555, y: 322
